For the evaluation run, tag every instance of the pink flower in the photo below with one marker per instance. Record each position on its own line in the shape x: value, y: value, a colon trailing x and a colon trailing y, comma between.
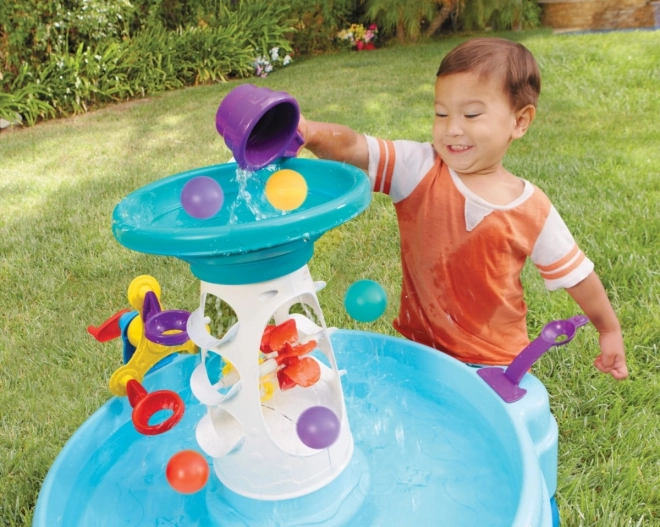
x: 360, y: 45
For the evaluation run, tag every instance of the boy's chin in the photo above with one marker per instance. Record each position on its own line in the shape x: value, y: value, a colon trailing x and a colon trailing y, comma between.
x: 453, y: 163
x: 456, y: 167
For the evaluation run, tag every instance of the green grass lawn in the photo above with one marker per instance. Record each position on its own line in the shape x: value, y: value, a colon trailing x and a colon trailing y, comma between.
x: 594, y: 148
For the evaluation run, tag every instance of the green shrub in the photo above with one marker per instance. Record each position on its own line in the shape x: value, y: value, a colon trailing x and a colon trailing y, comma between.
x: 406, y: 18
x: 54, y: 80
x: 210, y: 55
x: 75, y: 82
x: 263, y: 24
x: 149, y: 62
x: 175, y: 14
x: 26, y: 103
x: 317, y: 23
x: 62, y: 57
x: 33, y: 29
x: 500, y: 14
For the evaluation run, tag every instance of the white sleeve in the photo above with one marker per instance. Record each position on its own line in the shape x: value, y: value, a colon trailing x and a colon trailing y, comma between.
x: 396, y: 167
x: 557, y: 256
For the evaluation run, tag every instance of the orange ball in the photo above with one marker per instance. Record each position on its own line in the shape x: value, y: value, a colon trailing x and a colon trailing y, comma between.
x: 187, y: 471
x: 286, y: 189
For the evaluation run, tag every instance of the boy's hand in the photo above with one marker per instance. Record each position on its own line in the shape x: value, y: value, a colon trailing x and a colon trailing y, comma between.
x: 612, y: 358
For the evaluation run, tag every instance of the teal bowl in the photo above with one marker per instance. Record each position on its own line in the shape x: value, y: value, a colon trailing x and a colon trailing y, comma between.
x: 248, y: 240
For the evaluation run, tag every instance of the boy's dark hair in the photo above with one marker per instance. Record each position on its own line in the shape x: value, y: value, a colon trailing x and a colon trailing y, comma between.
x: 497, y: 57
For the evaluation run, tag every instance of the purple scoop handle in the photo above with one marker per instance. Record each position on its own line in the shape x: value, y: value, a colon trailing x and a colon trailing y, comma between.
x: 174, y: 319
x: 505, y: 382
x: 546, y: 340
x: 294, y: 146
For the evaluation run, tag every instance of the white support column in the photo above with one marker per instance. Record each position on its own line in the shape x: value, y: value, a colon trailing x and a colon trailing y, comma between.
x: 257, y: 452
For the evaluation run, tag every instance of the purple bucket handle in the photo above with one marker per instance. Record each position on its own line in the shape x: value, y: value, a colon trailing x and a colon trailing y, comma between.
x: 158, y: 323
x: 295, y: 145
x: 506, y: 382
x: 259, y: 125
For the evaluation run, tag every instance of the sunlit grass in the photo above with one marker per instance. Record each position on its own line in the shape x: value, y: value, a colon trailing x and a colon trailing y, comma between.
x: 594, y: 149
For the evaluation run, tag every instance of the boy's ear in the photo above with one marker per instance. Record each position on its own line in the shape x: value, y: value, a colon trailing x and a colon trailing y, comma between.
x: 524, y: 118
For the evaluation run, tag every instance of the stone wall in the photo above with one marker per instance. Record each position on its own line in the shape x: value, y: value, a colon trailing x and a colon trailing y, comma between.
x: 597, y: 14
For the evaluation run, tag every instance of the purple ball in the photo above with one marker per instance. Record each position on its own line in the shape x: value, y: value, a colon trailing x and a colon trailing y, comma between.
x: 318, y: 427
x: 202, y: 197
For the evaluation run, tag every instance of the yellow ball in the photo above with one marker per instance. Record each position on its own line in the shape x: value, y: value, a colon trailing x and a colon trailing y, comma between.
x: 135, y: 331
x: 286, y: 189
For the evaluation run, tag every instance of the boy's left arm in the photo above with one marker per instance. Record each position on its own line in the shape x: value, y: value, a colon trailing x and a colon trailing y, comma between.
x: 590, y: 295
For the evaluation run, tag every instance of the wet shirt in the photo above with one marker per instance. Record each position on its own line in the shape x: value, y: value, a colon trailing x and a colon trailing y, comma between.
x: 462, y: 257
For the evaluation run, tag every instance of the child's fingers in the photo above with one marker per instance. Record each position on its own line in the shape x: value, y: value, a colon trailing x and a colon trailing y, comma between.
x: 599, y: 365
x: 604, y: 363
x: 619, y: 375
x: 619, y: 370
x: 611, y: 365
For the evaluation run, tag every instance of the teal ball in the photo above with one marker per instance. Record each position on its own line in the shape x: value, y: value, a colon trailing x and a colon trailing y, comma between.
x: 365, y: 301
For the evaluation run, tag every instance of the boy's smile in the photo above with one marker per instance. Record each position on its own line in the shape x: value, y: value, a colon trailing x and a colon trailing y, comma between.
x: 475, y: 123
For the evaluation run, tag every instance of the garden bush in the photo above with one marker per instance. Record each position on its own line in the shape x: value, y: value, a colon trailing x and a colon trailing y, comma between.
x: 317, y: 23
x: 62, y: 57
x: 50, y: 68
x: 500, y: 14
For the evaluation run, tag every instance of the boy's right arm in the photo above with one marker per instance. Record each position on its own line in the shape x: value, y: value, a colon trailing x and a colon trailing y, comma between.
x: 335, y: 141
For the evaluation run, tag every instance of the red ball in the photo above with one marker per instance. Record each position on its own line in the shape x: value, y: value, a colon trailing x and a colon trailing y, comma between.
x: 187, y: 471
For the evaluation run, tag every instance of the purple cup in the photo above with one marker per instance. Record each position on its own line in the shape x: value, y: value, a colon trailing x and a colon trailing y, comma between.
x: 259, y: 125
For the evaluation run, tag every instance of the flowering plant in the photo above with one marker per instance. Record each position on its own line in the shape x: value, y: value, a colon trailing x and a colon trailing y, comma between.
x: 264, y: 65
x: 359, y: 37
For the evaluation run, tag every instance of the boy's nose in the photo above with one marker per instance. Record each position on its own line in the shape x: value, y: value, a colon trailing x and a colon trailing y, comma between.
x: 454, y: 127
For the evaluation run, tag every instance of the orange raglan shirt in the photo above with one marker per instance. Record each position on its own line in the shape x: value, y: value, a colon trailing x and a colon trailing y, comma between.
x: 462, y: 257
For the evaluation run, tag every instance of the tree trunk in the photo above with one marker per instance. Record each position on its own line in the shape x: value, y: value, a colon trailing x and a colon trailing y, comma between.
x: 438, y: 20
x: 400, y: 30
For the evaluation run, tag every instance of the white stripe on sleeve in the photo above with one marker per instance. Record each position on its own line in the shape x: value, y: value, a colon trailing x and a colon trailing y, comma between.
x: 413, y: 161
x: 554, y: 244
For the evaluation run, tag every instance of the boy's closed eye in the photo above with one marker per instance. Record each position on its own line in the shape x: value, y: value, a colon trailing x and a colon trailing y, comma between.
x: 467, y: 116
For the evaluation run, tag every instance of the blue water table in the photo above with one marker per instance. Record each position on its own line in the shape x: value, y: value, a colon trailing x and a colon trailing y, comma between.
x: 418, y: 438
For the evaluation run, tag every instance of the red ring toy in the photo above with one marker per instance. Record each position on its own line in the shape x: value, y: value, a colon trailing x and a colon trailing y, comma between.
x: 148, y: 404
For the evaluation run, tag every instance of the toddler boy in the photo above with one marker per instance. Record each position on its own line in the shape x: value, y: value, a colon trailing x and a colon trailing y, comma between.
x: 466, y: 224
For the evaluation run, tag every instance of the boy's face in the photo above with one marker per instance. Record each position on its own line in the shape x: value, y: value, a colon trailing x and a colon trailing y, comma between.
x: 474, y: 123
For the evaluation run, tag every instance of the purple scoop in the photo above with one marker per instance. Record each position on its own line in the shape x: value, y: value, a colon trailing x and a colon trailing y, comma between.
x: 259, y: 125
x: 506, y: 381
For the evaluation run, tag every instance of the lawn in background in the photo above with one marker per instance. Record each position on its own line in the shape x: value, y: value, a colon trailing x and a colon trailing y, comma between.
x: 594, y: 148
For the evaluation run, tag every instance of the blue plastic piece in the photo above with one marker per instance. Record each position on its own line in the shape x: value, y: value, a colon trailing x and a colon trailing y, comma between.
x: 127, y: 348
x: 555, y: 512
x: 248, y: 241
x: 434, y: 445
